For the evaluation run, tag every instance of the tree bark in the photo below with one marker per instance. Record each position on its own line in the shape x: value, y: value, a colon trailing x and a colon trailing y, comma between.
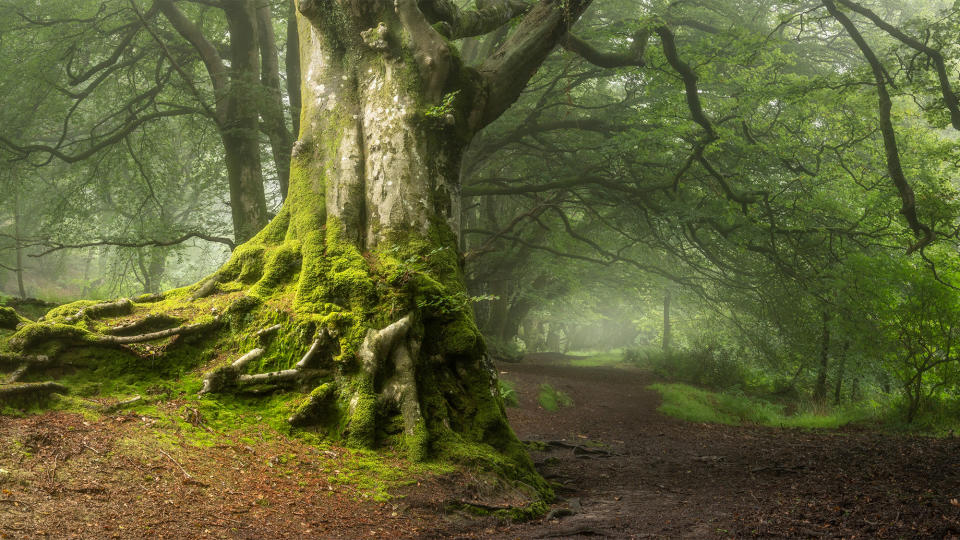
x: 272, y: 110
x: 292, y: 66
x: 17, y: 217
x: 667, y: 336
x: 820, y: 390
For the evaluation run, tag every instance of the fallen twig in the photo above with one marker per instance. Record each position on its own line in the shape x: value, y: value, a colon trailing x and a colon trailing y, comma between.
x: 175, y: 462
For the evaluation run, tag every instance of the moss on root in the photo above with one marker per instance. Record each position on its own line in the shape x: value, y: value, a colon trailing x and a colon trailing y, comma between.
x: 311, y: 283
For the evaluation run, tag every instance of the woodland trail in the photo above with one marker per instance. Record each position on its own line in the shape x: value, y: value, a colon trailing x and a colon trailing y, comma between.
x: 623, y: 470
x: 664, y: 478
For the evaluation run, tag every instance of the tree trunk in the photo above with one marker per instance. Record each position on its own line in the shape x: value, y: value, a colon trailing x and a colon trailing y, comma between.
x: 841, y: 372
x: 240, y: 132
x: 292, y: 65
x: 237, y: 93
x: 18, y: 244
x: 667, y: 336
x: 820, y: 390
x: 271, y: 109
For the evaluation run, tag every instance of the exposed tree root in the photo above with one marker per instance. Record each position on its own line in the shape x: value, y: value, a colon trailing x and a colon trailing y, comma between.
x: 122, y: 404
x: 28, y: 363
x: 206, y: 289
x: 227, y: 376
x: 232, y: 376
x: 151, y: 320
x: 107, y: 309
x: 22, y: 391
x: 578, y: 450
x: 178, y: 331
x: 267, y: 332
x: 391, y: 344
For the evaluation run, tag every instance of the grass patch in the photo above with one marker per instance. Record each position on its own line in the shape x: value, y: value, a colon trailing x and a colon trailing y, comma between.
x: 552, y: 399
x: 696, y: 405
x: 600, y: 359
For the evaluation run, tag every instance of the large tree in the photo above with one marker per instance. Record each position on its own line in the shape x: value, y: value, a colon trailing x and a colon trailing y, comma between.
x: 361, y: 268
x: 354, y: 292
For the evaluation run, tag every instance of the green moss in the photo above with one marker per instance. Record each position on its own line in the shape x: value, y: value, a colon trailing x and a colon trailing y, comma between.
x: 9, y: 318
x: 282, y: 264
x: 68, y: 310
x: 552, y: 399
x: 461, y: 336
x: 418, y: 442
x: 245, y: 265
x: 363, y: 421
x: 318, y: 407
x: 45, y: 337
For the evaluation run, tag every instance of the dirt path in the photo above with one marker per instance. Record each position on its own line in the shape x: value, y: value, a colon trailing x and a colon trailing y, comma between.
x: 666, y: 478
x: 624, y: 471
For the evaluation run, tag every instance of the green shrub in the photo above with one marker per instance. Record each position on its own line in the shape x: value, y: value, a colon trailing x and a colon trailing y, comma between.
x: 712, y: 367
x: 504, y: 351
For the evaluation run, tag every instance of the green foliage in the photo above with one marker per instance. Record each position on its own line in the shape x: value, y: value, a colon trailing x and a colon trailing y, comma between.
x: 710, y: 367
x: 696, y: 405
x: 552, y: 399
x: 440, y: 112
x: 508, y: 393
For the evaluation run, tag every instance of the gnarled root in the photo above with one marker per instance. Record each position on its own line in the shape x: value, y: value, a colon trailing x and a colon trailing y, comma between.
x: 26, y: 364
x: 10, y: 393
x: 232, y: 376
x: 153, y: 320
x: 140, y: 338
x: 106, y: 309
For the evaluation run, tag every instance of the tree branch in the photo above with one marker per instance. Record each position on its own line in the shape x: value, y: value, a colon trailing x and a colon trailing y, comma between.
x: 506, y: 72
x: 147, y: 243
x: 949, y: 98
x: 455, y: 23
x: 629, y: 58
x: 894, y: 167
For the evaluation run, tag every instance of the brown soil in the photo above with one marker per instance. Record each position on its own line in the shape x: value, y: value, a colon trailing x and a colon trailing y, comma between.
x: 622, y: 469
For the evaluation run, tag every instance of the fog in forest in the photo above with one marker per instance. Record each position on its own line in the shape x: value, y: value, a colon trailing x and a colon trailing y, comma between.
x: 479, y: 268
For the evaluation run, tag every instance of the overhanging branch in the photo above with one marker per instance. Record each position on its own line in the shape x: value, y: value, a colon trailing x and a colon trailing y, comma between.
x: 52, y: 247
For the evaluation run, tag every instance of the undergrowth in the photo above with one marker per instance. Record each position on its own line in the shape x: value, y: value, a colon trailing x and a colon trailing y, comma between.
x: 697, y: 405
x: 508, y: 393
x: 552, y: 399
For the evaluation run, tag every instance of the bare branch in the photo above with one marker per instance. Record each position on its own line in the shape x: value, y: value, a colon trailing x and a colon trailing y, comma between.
x: 147, y: 243
x: 632, y: 57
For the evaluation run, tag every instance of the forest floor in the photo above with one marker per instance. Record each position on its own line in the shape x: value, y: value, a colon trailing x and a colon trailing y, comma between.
x: 623, y: 470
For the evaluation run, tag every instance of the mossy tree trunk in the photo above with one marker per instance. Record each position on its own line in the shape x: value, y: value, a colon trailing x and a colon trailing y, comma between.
x: 374, y: 209
x: 354, y: 293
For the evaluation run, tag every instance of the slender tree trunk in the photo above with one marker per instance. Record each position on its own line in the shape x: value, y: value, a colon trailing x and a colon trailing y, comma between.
x: 841, y: 369
x: 820, y: 390
x: 17, y: 229
x: 272, y: 110
x: 292, y: 65
x: 236, y: 110
x: 667, y: 334
x: 240, y: 132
